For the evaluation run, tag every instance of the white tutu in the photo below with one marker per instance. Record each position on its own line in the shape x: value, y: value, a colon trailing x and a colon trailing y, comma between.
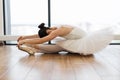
x: 87, y: 44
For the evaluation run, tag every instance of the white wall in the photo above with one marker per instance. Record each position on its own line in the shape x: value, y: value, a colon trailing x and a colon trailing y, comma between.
x: 1, y: 17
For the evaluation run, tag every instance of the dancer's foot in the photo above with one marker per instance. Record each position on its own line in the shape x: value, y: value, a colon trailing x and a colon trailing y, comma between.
x: 27, y: 49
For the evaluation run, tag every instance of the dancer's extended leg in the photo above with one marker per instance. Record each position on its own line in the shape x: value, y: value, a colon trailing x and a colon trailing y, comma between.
x: 49, y: 48
x: 41, y: 48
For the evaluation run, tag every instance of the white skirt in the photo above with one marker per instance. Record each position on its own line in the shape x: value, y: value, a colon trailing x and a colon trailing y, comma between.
x: 90, y: 43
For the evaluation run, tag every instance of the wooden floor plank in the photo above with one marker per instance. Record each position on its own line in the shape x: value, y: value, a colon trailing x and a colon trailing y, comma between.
x: 19, y: 71
x: 111, y: 55
x: 13, y: 65
x: 83, y: 70
x: 101, y: 66
x: 42, y: 69
x: 62, y: 68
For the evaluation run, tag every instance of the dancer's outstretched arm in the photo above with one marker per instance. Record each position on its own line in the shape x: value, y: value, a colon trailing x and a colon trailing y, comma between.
x: 28, y: 37
x: 51, y: 36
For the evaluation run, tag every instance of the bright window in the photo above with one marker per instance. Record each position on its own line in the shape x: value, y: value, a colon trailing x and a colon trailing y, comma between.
x: 98, y: 13
x: 26, y: 15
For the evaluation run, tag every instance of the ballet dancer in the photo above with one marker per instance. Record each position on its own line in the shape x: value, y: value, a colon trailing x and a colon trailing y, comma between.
x: 76, y: 40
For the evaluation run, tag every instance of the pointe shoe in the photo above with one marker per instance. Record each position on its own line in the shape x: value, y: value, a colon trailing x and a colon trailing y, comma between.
x: 27, y: 49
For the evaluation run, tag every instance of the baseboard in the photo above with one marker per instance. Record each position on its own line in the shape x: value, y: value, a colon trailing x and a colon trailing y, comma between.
x: 8, y: 38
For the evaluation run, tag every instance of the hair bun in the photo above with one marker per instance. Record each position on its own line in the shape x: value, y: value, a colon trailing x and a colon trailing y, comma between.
x: 41, y: 25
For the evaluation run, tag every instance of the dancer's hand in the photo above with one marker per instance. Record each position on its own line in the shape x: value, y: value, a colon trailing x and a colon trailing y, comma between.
x: 20, y: 38
x: 20, y: 42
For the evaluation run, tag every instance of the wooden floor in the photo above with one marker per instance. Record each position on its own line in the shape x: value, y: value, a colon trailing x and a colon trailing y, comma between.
x: 18, y: 65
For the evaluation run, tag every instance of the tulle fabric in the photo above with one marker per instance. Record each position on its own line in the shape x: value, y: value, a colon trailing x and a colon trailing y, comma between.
x: 90, y: 43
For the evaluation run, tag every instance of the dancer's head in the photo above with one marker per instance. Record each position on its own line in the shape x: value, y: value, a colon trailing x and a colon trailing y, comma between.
x: 43, y: 30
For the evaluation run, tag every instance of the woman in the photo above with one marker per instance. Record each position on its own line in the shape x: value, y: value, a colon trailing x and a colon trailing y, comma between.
x: 76, y: 40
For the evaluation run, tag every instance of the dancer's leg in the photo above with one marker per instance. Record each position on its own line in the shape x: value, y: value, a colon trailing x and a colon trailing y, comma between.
x: 42, y: 48
x: 49, y: 48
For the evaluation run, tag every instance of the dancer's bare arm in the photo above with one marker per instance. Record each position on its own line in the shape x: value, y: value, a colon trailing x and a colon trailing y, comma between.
x: 28, y: 37
x: 51, y: 36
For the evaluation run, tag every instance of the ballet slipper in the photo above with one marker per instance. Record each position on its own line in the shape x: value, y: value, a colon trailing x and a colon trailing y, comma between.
x: 27, y: 49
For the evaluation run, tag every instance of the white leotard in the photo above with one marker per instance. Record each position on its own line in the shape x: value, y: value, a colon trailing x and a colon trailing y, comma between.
x: 76, y: 33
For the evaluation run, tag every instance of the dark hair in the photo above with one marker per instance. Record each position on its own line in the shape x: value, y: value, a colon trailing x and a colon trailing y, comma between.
x: 43, y: 30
